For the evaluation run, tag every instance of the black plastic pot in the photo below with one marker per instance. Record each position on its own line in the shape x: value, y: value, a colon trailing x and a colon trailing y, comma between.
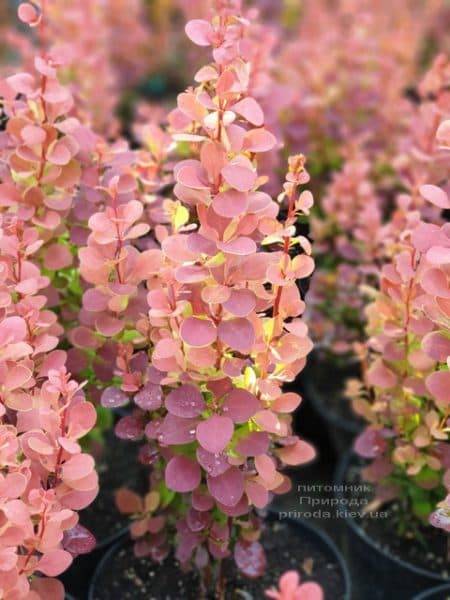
x: 76, y: 578
x: 118, y: 466
x: 441, y: 592
x: 130, y: 474
x: 304, y: 529
x: 322, y: 378
x: 372, y: 566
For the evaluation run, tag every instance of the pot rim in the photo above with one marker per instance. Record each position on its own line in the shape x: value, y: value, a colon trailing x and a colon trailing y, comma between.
x: 272, y: 515
x: 303, y: 523
x: 351, y: 523
x: 435, y: 590
x: 111, y: 539
x: 316, y: 399
x: 105, y: 542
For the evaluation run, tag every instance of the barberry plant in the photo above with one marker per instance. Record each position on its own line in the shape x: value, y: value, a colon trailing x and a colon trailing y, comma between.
x: 45, y: 477
x: 364, y: 210
x: 103, y: 47
x: 406, y: 399
x: 348, y: 242
x: 223, y: 329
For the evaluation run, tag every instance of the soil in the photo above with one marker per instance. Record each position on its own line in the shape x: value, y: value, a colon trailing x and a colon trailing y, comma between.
x: 327, y: 378
x: 291, y: 548
x: 130, y: 578
x: 287, y: 547
x: 117, y: 467
x: 420, y: 545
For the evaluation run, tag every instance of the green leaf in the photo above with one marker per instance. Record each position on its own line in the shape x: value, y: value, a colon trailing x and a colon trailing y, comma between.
x: 130, y: 335
x: 166, y: 495
x: 181, y: 216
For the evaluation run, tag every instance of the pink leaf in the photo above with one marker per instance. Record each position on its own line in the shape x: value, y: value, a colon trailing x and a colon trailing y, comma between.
x: 256, y: 442
x: 28, y: 14
x: 200, y: 32
x: 230, y: 204
x: 16, y: 377
x: 12, y: 330
x: 54, y: 562
x: 380, y: 376
x: 191, y: 274
x: 297, y: 454
x: 267, y: 420
x: 48, y: 588
x: 438, y: 384
x: 214, y: 464
x: 435, y: 282
x: 78, y: 540
x: 33, y: 135
x: 240, y: 303
x: 128, y: 502
x: 257, y: 494
x: 78, y: 467
x: 241, y: 246
x: 238, y: 510
x: 125, y: 185
x: 239, y: 177
x: 149, y: 397
x: 113, y: 397
x: 176, y: 430
x: 240, y: 405
x: 129, y: 428
x: 182, y: 474
x: 57, y: 257
x: 437, y: 346
x: 258, y: 202
x: 215, y: 433
x: 435, y: 195
x: 238, y: 334
x: 305, y: 201
x: 197, y: 520
x: 250, y: 110
x: 286, y: 403
x: 198, y: 332
x: 439, y: 255
x: 59, y: 154
x: 370, y: 443
x: 109, y: 326
x: 22, y: 83
x: 198, y: 243
x: 259, y: 140
x: 440, y: 519
x: 265, y: 466
x: 185, y: 401
x: 202, y: 501
x: 213, y: 159
x: 192, y: 176
x: 228, y: 487
x: 189, y: 107
x: 250, y: 558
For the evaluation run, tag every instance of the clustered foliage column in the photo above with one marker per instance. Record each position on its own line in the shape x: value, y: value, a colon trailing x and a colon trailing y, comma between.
x: 223, y: 330
x: 407, y: 376
x: 104, y: 48
x: 365, y: 206
x: 45, y: 478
